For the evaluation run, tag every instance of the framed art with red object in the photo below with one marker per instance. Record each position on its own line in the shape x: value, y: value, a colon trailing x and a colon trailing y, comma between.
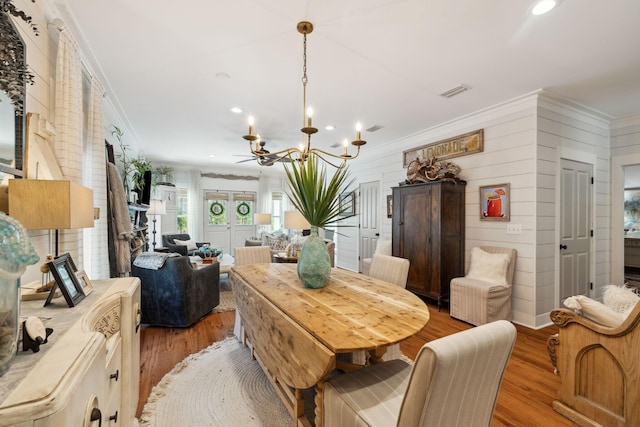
x: 494, y: 202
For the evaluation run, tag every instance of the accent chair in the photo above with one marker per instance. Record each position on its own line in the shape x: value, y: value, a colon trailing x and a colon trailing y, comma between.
x: 484, y: 294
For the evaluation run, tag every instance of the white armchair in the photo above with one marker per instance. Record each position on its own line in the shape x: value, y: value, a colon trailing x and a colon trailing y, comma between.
x: 484, y: 294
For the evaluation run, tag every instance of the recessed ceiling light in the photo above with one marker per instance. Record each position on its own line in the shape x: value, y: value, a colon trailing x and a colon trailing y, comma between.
x: 543, y: 6
x: 236, y: 110
x: 212, y: 155
x: 330, y: 127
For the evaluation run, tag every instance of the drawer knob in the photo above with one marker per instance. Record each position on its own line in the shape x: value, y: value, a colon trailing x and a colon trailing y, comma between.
x: 114, y: 417
x: 115, y: 376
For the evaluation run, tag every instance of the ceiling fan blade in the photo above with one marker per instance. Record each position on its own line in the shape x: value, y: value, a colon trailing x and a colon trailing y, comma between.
x: 243, y: 155
x: 246, y: 160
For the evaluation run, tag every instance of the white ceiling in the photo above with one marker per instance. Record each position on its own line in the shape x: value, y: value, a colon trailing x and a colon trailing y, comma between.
x: 382, y: 62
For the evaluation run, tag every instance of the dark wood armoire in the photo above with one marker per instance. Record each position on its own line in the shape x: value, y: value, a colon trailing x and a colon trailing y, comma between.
x: 428, y: 230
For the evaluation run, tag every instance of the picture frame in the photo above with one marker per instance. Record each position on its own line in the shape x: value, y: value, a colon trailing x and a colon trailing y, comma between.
x: 494, y: 202
x: 65, y: 278
x: 347, y: 204
x: 389, y: 206
x: 85, y: 283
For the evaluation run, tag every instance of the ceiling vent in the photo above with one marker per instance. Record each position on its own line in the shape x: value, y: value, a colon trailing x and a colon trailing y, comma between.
x: 374, y: 128
x: 454, y: 91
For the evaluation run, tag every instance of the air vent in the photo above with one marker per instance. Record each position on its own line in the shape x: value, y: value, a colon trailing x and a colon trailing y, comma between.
x: 454, y: 91
x: 374, y: 128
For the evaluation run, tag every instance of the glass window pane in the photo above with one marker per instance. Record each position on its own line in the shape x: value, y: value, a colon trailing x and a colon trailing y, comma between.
x: 244, y: 212
x: 217, y: 211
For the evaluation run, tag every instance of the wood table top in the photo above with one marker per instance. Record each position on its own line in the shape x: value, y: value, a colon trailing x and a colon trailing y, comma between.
x: 352, y: 312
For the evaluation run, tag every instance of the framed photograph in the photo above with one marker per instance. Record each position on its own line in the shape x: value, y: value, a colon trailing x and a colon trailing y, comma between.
x: 389, y: 206
x: 85, y: 283
x: 65, y: 279
x: 347, y: 204
x: 494, y: 202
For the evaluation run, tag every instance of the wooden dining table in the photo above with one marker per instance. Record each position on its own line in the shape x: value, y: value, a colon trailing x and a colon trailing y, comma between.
x: 295, y: 332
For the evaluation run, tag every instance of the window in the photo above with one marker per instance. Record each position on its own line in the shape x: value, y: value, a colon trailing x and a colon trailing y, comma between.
x: 277, y: 211
x: 182, y: 201
x: 244, y: 208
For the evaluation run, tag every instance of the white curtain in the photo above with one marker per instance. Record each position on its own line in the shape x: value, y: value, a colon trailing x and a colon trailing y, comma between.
x: 192, y: 181
x: 96, y: 238
x: 67, y: 143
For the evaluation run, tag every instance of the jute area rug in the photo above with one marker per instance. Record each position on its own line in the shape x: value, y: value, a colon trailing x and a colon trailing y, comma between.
x: 219, y: 386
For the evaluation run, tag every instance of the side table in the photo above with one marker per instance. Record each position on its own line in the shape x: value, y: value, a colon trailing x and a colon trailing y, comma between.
x: 162, y: 250
x: 284, y: 258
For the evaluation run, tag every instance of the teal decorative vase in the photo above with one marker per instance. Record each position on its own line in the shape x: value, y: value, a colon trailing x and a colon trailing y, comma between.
x: 314, y: 265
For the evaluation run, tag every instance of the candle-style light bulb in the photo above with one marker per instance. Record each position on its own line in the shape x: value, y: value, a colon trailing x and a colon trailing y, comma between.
x: 345, y: 143
x: 358, y: 131
x: 251, y: 121
x: 301, y: 147
x: 309, y: 115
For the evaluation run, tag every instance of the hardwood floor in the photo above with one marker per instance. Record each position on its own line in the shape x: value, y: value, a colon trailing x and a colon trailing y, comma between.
x: 528, y: 388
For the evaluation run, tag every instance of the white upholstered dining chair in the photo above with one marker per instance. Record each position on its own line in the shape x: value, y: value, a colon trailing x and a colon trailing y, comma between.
x: 390, y: 269
x: 454, y: 381
x: 244, y: 256
x: 484, y: 294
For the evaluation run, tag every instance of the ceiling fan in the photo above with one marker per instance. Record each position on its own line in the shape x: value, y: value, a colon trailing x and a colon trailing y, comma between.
x: 263, y: 159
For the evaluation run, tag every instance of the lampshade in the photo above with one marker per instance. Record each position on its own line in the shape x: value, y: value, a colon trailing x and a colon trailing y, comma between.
x: 156, y: 207
x: 50, y: 204
x: 262, y: 219
x: 293, y: 220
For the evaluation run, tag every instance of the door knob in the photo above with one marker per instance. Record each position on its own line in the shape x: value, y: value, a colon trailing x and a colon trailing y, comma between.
x: 563, y: 246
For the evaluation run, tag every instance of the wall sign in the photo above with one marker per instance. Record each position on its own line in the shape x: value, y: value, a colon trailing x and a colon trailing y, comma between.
x: 461, y: 145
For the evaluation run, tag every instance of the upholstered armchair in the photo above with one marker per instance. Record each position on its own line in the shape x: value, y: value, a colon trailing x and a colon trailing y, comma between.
x: 169, y: 241
x: 177, y: 294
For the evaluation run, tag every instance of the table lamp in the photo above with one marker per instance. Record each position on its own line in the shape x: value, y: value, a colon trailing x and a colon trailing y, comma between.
x: 262, y: 219
x: 42, y: 204
x: 156, y: 207
x: 293, y: 220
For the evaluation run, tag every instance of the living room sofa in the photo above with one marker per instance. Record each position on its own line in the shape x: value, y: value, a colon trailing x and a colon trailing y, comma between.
x: 177, y: 294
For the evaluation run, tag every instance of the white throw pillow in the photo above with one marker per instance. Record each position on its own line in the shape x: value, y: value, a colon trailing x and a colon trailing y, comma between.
x: 594, y: 310
x: 190, y: 244
x: 619, y: 298
x: 488, y: 267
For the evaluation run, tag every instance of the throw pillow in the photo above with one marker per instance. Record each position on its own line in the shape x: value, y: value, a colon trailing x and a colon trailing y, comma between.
x: 619, y: 298
x: 488, y: 267
x: 278, y: 243
x: 190, y: 244
x: 594, y: 310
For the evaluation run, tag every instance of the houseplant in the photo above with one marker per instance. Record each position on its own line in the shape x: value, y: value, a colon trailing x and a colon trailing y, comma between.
x: 316, y: 197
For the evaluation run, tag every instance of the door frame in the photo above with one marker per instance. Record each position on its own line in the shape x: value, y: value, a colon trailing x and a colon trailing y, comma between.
x: 618, y: 164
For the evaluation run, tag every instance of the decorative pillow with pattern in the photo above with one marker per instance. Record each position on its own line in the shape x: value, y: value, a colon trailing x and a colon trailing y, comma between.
x: 278, y: 243
x: 619, y: 298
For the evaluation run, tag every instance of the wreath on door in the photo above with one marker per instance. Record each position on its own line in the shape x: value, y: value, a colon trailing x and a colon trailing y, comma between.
x: 216, y: 208
x: 243, y: 209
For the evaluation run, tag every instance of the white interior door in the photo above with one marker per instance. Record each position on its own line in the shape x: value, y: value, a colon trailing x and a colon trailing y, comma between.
x: 369, y: 219
x: 575, y: 228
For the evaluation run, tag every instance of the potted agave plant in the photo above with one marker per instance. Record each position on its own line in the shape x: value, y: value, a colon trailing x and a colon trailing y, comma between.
x: 316, y: 196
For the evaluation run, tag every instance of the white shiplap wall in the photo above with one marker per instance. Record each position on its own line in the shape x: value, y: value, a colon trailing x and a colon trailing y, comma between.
x: 524, y: 139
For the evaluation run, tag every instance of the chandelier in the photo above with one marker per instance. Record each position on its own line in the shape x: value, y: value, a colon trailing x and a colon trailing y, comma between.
x: 301, y: 153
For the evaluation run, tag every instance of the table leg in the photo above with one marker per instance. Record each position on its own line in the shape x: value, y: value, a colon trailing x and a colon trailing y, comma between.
x: 319, y: 404
x: 376, y: 355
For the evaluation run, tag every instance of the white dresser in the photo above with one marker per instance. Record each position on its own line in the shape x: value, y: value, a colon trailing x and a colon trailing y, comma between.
x: 88, y: 373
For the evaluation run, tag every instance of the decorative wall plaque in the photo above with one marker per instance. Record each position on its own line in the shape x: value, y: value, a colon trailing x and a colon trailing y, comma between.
x: 461, y: 145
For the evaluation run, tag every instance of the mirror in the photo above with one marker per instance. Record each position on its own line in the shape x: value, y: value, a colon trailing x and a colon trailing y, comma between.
x: 13, y: 78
